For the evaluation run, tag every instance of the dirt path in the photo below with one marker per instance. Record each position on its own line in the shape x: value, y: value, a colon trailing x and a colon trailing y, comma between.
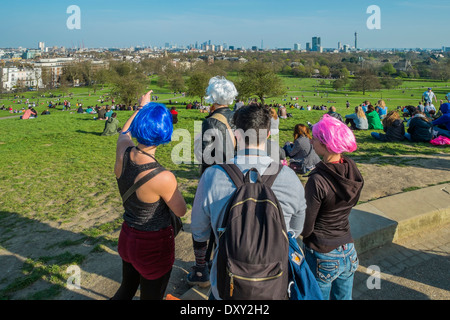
x: 101, y: 270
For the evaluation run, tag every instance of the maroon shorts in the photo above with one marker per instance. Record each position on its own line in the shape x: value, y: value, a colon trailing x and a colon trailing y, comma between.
x: 152, y: 253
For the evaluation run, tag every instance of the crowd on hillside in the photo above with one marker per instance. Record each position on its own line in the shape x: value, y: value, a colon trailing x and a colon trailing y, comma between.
x: 243, y: 216
x: 236, y: 232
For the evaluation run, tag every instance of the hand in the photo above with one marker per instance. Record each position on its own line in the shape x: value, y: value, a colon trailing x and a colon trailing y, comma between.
x: 146, y: 98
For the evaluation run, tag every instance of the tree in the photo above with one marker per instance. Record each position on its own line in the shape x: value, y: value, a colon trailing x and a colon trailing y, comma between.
x: 338, y: 84
x: 128, y: 88
x: 257, y: 79
x: 388, y: 69
x: 176, y: 83
x: 72, y: 73
x: 128, y: 82
x: 324, y: 71
x: 197, y: 84
x: 365, y: 80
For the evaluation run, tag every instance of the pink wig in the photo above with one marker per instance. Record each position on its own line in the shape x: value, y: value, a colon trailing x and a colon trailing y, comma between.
x: 334, y: 134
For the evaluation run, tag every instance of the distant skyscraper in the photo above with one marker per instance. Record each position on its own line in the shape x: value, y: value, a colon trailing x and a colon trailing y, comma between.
x: 316, y: 44
x: 42, y: 46
x: 297, y: 46
x: 356, y: 40
x: 308, y: 46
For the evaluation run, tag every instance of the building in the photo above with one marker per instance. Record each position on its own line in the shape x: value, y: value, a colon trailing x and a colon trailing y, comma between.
x: 13, y: 78
x: 316, y: 44
x: 53, y: 68
x: 41, y: 46
x: 308, y: 46
x: 297, y: 46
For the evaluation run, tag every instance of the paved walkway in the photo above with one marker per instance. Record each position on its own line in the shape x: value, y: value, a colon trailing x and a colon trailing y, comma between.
x: 415, y: 268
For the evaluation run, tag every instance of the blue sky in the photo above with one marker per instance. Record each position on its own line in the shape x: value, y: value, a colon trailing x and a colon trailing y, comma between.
x: 279, y: 24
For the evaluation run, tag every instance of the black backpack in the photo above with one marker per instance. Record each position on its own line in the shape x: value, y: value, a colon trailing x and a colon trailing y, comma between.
x: 253, y: 248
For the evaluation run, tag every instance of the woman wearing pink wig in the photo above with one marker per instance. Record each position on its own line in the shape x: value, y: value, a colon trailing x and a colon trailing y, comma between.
x: 333, y: 188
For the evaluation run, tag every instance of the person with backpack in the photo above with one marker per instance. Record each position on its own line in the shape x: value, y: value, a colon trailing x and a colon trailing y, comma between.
x: 332, y: 189
x: 147, y: 237
x: 246, y: 203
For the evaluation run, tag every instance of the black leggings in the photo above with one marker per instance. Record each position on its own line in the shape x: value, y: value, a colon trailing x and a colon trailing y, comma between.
x: 131, y: 279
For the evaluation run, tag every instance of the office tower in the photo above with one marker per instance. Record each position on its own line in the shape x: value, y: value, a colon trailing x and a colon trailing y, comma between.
x: 308, y: 46
x: 297, y: 46
x: 42, y: 46
x: 316, y: 44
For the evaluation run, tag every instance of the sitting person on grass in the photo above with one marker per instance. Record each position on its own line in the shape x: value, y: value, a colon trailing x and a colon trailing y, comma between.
x: 442, y: 124
x: 373, y: 118
x: 111, y: 126
x: 357, y: 120
x: 420, y: 128
x: 393, y: 127
x: 301, y: 152
x: 332, y: 112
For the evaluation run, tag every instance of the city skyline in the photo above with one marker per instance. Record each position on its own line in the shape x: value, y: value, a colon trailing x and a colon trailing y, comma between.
x: 404, y: 24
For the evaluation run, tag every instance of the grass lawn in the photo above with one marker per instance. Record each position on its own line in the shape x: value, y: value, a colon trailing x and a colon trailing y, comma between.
x: 57, y: 169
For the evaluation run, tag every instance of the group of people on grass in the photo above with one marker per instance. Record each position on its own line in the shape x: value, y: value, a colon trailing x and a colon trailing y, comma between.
x: 423, y: 125
x: 318, y: 212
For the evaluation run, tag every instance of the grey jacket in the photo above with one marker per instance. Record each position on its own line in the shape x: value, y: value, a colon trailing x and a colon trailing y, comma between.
x: 215, y: 190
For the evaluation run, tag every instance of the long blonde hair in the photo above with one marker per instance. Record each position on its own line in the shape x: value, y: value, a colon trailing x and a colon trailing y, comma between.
x: 381, y: 104
x: 360, y: 112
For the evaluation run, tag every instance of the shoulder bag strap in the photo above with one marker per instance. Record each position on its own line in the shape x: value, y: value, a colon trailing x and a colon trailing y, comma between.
x: 141, y: 181
x: 223, y: 119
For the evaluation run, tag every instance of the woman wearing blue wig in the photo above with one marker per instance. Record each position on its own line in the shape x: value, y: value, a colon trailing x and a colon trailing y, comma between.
x: 146, y: 241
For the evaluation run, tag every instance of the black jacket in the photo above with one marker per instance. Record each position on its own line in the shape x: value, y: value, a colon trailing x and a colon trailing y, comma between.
x: 331, y: 192
x: 395, y: 132
x: 420, y: 129
x: 209, y: 148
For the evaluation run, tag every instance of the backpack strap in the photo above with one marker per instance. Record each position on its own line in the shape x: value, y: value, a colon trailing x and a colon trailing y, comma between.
x: 234, y: 173
x: 271, y: 173
x: 141, y: 181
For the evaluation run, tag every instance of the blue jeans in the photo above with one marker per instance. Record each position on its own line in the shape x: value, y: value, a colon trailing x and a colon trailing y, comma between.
x: 442, y: 132
x: 334, y: 270
x: 375, y: 135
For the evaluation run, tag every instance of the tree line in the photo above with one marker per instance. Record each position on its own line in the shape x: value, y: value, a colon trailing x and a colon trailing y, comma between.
x: 258, y: 76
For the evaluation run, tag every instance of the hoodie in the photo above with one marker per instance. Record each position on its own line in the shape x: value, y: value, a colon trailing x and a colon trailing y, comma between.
x: 111, y: 127
x: 445, y: 118
x: 332, y: 190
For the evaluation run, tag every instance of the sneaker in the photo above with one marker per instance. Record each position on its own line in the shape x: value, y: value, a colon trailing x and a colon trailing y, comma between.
x: 199, y: 277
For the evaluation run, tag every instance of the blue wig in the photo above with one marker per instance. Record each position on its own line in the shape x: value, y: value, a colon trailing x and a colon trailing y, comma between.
x: 152, y: 125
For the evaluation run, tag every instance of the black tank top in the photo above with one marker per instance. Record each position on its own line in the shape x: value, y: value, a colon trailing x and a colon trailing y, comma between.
x: 141, y: 215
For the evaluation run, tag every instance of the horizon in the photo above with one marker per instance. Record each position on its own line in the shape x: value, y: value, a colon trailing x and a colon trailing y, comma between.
x: 403, y: 24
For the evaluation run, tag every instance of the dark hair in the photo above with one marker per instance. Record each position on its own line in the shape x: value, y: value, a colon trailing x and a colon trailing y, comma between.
x: 370, y: 108
x: 251, y: 119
